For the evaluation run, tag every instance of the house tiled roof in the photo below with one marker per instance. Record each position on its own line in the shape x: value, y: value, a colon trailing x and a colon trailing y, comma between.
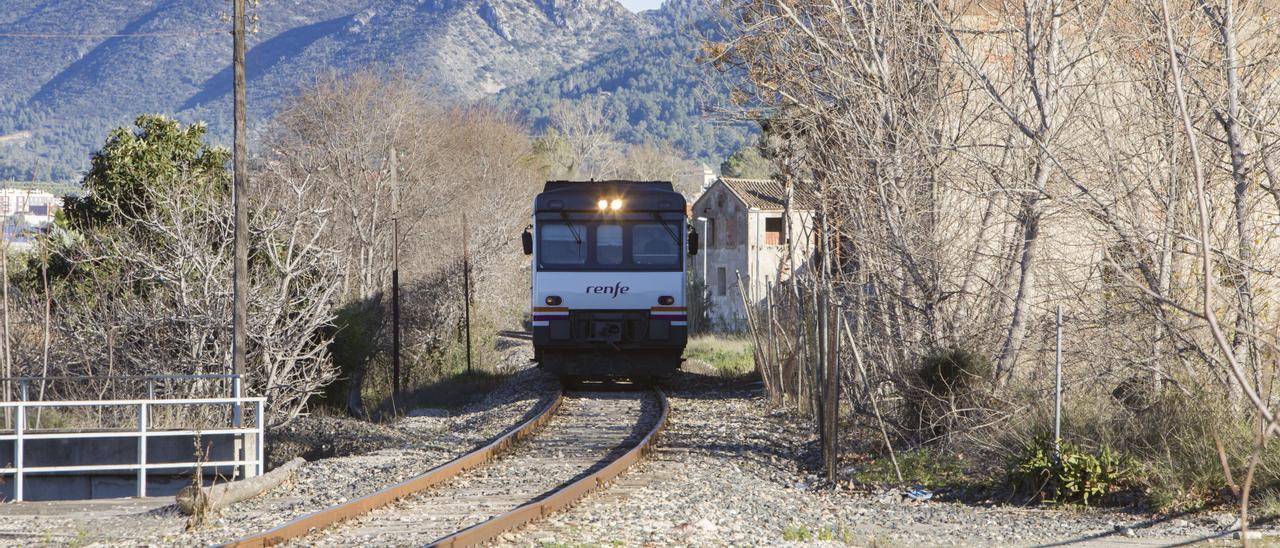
x: 770, y: 195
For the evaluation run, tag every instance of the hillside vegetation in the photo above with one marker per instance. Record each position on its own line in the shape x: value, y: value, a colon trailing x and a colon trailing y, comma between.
x: 652, y: 91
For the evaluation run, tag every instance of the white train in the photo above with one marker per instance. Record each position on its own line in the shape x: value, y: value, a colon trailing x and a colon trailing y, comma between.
x: 609, y: 278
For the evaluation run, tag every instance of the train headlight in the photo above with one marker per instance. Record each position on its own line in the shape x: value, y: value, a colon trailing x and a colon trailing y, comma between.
x: 666, y: 300
x: 603, y: 204
x: 553, y: 300
x: 615, y: 205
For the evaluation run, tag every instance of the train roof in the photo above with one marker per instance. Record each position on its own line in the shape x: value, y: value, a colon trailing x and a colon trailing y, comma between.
x: 586, y: 185
x: 584, y: 195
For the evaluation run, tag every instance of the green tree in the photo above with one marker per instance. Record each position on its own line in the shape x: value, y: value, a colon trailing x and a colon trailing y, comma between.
x: 747, y: 163
x: 157, y: 149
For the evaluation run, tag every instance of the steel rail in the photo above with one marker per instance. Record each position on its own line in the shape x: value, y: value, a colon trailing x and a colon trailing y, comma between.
x: 324, y: 518
x: 561, y: 498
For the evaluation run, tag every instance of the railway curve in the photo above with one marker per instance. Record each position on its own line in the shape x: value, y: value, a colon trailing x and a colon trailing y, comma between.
x: 578, y: 443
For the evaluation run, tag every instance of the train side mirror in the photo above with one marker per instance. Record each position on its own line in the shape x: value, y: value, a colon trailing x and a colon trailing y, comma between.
x: 526, y: 240
x: 693, y: 243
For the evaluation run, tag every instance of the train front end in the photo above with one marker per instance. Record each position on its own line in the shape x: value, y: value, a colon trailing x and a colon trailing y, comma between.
x: 609, y: 278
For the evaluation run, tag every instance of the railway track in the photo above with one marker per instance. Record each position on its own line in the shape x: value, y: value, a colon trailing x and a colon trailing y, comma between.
x: 580, y: 441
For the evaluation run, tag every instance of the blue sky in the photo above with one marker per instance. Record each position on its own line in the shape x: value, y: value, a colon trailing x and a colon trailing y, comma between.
x: 641, y: 5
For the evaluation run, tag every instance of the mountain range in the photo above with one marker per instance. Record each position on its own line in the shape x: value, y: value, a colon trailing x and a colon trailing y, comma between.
x: 73, y: 69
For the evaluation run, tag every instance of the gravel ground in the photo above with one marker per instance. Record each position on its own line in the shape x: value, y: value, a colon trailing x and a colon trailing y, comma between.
x: 727, y: 473
x: 385, y: 455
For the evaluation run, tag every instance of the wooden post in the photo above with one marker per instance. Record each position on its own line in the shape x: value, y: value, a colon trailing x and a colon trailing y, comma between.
x: 802, y: 346
x: 395, y: 276
x: 832, y: 413
x: 752, y: 327
x: 1057, y: 390
x: 815, y: 354
x: 771, y: 350
x: 819, y: 383
x: 466, y: 286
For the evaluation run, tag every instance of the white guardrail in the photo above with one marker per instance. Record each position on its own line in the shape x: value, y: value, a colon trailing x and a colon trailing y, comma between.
x: 19, y: 436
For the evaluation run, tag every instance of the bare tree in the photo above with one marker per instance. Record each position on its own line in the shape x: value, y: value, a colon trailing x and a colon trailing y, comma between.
x: 151, y: 291
x: 337, y: 136
x: 580, y: 142
x: 977, y: 163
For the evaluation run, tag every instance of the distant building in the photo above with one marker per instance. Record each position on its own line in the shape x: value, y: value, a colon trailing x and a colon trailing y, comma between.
x: 25, y: 213
x: 694, y: 179
x: 23, y: 208
x: 35, y: 205
x: 708, y: 176
x: 744, y: 234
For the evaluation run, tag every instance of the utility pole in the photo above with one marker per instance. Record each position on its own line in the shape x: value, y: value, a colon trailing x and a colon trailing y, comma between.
x: 241, y: 174
x: 240, y: 269
x: 395, y: 277
x: 466, y: 286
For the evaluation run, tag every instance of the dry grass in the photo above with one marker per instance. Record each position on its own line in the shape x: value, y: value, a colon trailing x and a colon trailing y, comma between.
x: 1170, y: 435
x: 728, y: 356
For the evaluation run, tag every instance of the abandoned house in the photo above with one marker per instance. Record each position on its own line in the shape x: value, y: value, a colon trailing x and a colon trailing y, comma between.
x: 745, y: 236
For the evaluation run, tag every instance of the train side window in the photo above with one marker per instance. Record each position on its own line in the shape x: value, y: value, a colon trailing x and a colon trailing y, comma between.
x: 559, y: 245
x: 609, y: 244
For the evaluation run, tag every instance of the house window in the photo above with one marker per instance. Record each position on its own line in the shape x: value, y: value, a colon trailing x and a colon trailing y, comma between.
x: 711, y: 233
x: 721, y: 282
x: 773, y: 230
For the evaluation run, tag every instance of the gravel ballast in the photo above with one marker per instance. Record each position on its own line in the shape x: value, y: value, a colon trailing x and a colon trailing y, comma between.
x: 727, y: 472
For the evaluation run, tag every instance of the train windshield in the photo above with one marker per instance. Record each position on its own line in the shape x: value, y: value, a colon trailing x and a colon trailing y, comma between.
x: 611, y: 245
x: 561, y: 245
x: 655, y: 244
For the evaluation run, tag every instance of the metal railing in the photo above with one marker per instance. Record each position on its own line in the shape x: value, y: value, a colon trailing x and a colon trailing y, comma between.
x: 20, y: 434
x: 26, y: 384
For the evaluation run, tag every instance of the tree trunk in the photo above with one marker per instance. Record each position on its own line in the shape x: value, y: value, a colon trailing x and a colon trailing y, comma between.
x: 192, y: 499
x: 1016, y: 332
x: 1242, y: 340
x: 355, y: 402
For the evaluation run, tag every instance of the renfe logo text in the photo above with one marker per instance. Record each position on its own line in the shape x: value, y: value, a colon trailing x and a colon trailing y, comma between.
x: 612, y: 290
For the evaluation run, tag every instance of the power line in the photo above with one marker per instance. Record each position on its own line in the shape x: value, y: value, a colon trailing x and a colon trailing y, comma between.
x: 173, y: 34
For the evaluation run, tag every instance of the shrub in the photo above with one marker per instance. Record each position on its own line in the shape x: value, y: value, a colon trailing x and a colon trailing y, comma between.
x: 942, y: 387
x: 354, y: 343
x: 1168, y: 438
x: 1075, y: 476
x: 1174, y: 439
